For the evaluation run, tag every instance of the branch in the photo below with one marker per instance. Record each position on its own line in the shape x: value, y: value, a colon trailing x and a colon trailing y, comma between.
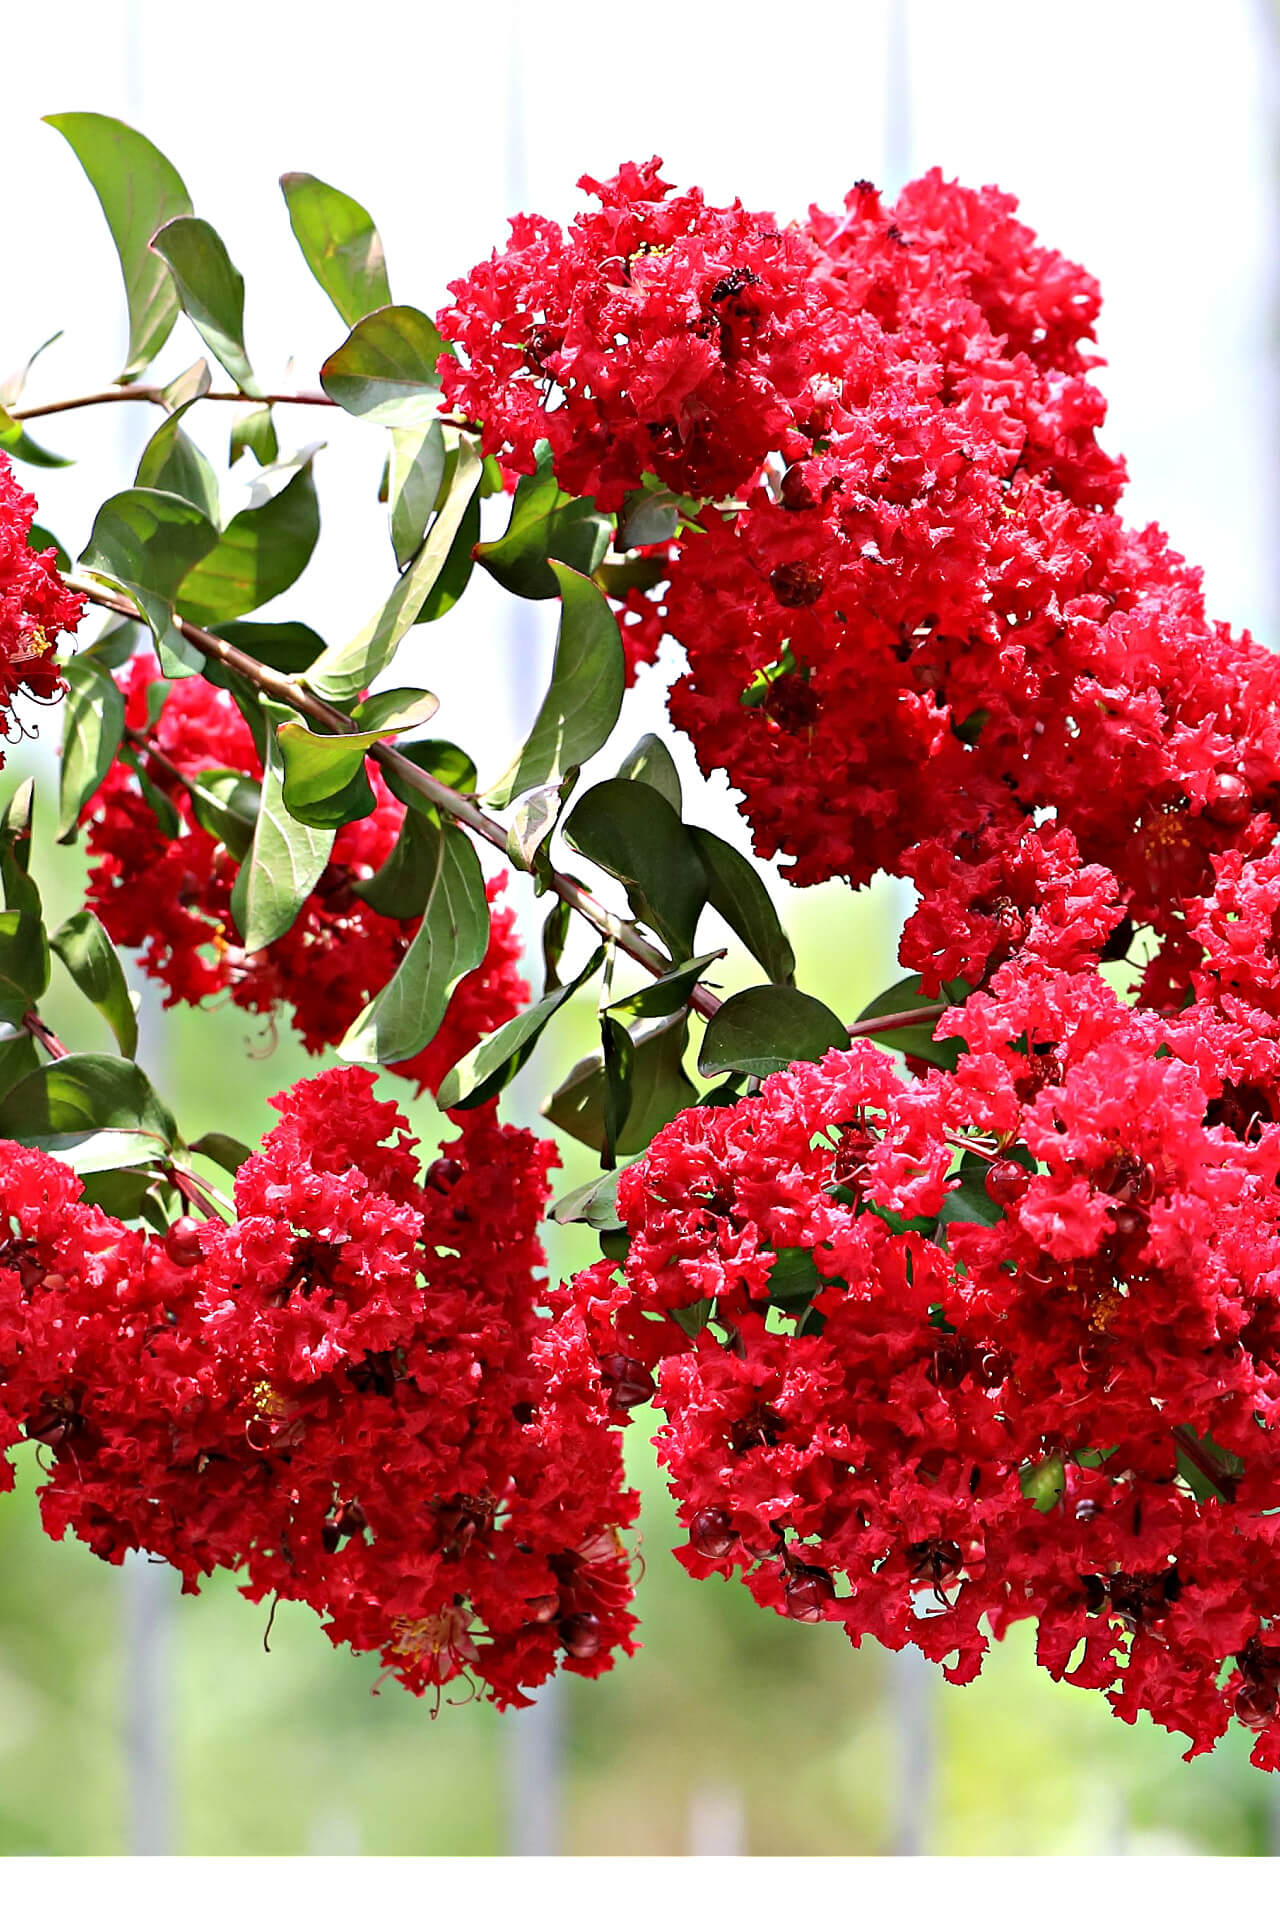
x: 887, y: 1022
x: 624, y: 933
x: 155, y: 395
x: 45, y: 1035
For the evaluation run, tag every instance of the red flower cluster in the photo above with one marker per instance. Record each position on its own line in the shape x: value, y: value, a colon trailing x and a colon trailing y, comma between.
x: 171, y: 898
x: 1005, y: 1342
x: 923, y: 623
x: 996, y: 1344
x: 35, y: 607
x: 361, y: 1393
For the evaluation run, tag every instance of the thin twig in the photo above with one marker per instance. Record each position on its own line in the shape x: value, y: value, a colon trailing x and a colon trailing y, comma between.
x: 458, y: 806
x: 107, y: 396
x: 47, y: 1038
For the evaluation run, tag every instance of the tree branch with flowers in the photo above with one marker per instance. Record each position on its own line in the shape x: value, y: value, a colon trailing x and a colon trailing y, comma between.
x: 960, y: 1308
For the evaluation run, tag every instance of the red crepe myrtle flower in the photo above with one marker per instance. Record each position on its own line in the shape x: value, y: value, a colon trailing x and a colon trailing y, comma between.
x: 171, y: 898
x: 361, y: 1393
x: 35, y: 607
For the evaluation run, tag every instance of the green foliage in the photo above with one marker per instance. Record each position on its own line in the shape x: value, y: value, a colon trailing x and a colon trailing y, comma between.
x: 451, y: 940
x: 906, y: 996
x: 385, y: 369
x: 95, y: 1111
x: 343, y: 672
x: 740, y: 897
x: 24, y: 964
x: 173, y: 463
x: 257, y: 557
x: 765, y: 1029
x: 617, y: 1105
x: 546, y: 524
x: 285, y: 859
x: 496, y: 1061
x: 339, y: 243
x: 211, y: 291
x: 139, y: 192
x: 650, y: 761
x: 85, y: 949
x: 92, y: 729
x: 585, y: 696
x: 146, y: 543
x: 627, y: 828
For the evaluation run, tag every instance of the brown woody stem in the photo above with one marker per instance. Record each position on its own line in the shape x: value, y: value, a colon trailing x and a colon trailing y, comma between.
x: 290, y: 693
x: 155, y: 396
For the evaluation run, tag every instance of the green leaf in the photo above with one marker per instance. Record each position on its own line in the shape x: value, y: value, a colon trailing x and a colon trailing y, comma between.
x: 171, y: 463
x: 191, y: 384
x: 92, y: 729
x: 254, y: 432
x: 794, y: 1277
x: 492, y: 1065
x: 320, y: 766
x: 396, y: 710
x: 24, y: 964
x: 555, y: 931
x: 546, y: 524
x: 226, y: 804
x: 286, y: 645
x: 339, y: 243
x: 633, y: 833
x: 385, y: 370
x: 969, y: 1200
x: 139, y: 192
x: 84, y: 946
x: 413, y: 485
x: 223, y: 1149
x: 13, y: 386
x: 650, y: 762
x: 668, y: 994
x: 648, y: 518
x: 583, y: 701
x: 211, y: 290
x: 285, y: 860
x: 147, y: 543
x: 1043, y: 1483
x: 128, y: 1193
x: 401, y: 887
x: 168, y: 819
x: 450, y: 942
x: 40, y: 540
x: 903, y: 997
x: 594, y: 1205
x: 343, y: 672
x: 442, y: 760
x: 740, y: 897
x: 534, y: 820
x: 20, y: 891
x: 765, y: 1029
x: 450, y: 583
x: 18, y: 444
x: 116, y: 642
x: 262, y: 552
x: 657, y: 1084
x: 93, y: 1110
x: 19, y: 1056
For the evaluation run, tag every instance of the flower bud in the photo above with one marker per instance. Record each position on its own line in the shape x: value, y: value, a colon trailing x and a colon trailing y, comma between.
x: 712, y: 1532
x: 1229, y: 803
x: 809, y: 1594
x: 1006, y: 1182
x: 182, y: 1243
x: 580, y: 1635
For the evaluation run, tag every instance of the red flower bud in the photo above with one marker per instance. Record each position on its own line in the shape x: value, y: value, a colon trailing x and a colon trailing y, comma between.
x: 809, y: 1594
x: 182, y: 1243
x: 712, y: 1532
x: 580, y: 1635
x: 1230, y: 803
x: 1006, y: 1182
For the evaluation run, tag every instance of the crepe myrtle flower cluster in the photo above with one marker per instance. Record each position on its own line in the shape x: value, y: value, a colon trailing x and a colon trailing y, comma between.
x: 35, y: 606
x: 920, y: 625
x: 360, y: 1394
x: 996, y: 1344
x: 170, y: 898
x: 936, y: 1354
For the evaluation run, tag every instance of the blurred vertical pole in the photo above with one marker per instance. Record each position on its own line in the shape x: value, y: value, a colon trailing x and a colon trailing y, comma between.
x: 148, y: 1591
x: 534, y: 1737
x: 912, y: 1681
